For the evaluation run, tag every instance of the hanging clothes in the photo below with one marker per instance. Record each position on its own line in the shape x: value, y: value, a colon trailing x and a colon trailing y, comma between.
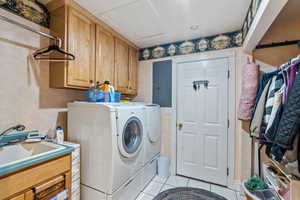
x: 250, y: 82
x: 271, y: 105
x: 275, y: 107
x: 271, y: 135
x: 292, y: 156
x: 276, y: 84
x: 290, y: 120
x: 256, y: 122
x: 262, y: 84
x: 291, y: 76
x: 275, y: 117
x: 298, y: 157
x: 264, y: 80
x: 277, y: 152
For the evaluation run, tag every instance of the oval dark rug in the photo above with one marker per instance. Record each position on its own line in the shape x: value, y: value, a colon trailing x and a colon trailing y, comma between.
x: 188, y: 193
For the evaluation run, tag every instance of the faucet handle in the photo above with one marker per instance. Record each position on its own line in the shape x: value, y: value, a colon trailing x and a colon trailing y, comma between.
x: 19, y: 127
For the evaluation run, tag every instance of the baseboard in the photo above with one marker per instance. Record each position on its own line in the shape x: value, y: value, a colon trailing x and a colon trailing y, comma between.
x: 235, y: 185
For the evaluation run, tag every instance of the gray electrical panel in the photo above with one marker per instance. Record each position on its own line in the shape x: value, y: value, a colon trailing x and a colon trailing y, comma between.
x: 162, y: 83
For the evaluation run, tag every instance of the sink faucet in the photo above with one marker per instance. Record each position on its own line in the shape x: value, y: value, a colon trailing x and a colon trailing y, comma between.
x: 18, y: 127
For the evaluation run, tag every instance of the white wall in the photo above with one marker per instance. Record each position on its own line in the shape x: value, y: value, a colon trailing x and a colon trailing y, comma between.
x: 168, y: 115
x: 25, y: 96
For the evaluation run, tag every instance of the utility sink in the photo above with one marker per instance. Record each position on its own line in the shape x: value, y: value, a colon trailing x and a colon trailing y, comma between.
x: 16, y: 153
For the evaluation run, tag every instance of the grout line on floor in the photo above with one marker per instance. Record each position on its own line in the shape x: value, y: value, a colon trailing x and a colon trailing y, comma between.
x: 164, y: 184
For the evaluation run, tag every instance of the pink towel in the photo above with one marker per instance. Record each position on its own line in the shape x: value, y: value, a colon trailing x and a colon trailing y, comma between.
x: 250, y: 83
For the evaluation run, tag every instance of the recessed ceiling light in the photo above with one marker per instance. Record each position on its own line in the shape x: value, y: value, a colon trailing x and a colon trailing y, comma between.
x: 194, y: 27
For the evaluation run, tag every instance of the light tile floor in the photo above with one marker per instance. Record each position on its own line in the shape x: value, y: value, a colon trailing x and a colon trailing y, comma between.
x: 158, y: 185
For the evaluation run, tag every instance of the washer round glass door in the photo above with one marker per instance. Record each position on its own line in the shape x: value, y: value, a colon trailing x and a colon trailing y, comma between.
x: 132, y: 137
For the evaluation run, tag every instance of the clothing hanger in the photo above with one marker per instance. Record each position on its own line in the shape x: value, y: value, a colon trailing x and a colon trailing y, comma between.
x: 44, y: 54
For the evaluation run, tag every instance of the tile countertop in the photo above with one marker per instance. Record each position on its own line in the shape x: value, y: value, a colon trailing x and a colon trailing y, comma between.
x: 14, y: 167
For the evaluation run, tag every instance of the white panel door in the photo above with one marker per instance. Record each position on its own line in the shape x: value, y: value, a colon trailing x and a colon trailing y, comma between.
x: 203, y: 114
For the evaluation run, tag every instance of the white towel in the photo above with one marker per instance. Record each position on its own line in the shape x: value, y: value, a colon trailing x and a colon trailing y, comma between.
x: 61, y: 196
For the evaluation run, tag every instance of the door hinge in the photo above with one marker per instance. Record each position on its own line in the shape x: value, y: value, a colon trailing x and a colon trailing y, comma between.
x: 228, y: 123
x: 228, y: 74
x: 227, y: 171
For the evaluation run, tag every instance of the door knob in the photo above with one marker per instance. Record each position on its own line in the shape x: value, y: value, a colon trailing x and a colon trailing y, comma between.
x: 179, y: 126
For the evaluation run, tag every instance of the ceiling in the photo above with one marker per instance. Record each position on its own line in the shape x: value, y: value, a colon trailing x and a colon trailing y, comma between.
x: 154, y: 22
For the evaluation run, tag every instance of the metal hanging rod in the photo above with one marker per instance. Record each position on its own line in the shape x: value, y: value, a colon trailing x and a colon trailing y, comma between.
x: 279, y: 44
x: 57, y: 40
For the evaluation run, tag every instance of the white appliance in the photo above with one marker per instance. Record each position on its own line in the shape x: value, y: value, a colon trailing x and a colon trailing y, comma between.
x: 111, y: 136
x: 152, y: 145
x: 153, y: 133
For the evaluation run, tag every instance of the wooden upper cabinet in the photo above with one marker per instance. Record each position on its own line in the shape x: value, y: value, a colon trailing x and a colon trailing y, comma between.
x: 78, y: 33
x: 105, y: 55
x: 121, y: 66
x: 126, y: 66
x: 100, y: 53
x: 19, y: 197
x: 29, y: 195
x: 133, y: 70
x: 81, y: 43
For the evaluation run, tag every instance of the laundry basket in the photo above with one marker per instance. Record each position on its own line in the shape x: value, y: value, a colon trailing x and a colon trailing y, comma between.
x: 163, y: 167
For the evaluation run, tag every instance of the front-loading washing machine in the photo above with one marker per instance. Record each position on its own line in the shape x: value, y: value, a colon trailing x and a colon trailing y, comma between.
x: 153, y: 133
x: 111, y: 136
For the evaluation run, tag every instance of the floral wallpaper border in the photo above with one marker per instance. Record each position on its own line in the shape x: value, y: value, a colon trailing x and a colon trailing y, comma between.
x: 216, y: 42
x: 28, y: 9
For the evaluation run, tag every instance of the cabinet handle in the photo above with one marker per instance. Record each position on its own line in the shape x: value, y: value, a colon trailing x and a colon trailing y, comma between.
x: 49, y: 184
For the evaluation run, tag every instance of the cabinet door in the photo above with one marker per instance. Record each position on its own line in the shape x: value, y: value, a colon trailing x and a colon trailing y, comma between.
x: 105, y: 55
x: 133, y: 70
x: 81, y: 42
x: 19, y: 197
x: 29, y: 195
x: 122, y: 65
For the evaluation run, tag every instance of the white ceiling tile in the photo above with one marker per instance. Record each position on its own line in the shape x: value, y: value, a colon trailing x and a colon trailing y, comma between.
x: 153, y: 22
x: 101, y: 6
x: 137, y: 20
x: 211, y: 16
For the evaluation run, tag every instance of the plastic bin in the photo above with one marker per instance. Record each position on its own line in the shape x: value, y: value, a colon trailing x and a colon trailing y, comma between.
x: 163, y: 167
x: 94, y: 96
x: 100, y: 96
x: 117, y: 97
